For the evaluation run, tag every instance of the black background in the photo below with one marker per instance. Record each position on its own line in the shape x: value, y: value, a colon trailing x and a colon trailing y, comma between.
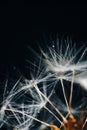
x: 24, y: 24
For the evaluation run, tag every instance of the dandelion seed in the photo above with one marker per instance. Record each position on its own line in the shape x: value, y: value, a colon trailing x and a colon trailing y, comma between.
x: 81, y: 79
x: 24, y: 123
x: 6, y: 102
x: 62, y: 63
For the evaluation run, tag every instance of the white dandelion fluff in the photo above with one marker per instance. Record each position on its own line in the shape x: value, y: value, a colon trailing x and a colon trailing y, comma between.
x: 26, y: 102
x: 82, y: 79
x: 63, y: 61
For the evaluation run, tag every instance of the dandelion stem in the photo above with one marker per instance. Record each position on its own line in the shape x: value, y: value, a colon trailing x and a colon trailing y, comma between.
x: 64, y: 95
x: 71, y: 90
x: 52, y: 114
x: 51, y: 104
x: 25, y: 114
x: 15, y: 115
x: 39, y: 92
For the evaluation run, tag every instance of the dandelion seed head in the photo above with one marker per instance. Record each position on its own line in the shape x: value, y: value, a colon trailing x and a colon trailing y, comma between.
x: 36, y: 99
x: 83, y: 83
x: 62, y: 60
x: 81, y: 78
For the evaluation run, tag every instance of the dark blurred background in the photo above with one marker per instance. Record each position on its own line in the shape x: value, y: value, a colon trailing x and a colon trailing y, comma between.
x: 26, y: 24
